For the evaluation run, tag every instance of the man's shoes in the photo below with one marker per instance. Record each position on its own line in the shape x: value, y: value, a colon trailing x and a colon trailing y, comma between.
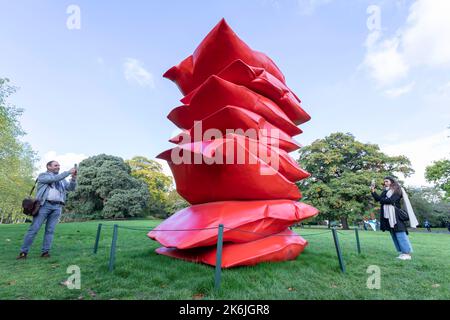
x: 404, y: 257
x: 22, y: 255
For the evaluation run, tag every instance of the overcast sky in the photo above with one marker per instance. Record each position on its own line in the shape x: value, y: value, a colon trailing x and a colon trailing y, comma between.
x: 377, y: 69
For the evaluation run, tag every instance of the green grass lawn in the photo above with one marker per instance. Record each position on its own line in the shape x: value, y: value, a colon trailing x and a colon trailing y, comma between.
x: 142, y: 274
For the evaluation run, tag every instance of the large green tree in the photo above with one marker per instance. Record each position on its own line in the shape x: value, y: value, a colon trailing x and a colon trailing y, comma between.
x: 17, y: 159
x: 175, y: 202
x: 439, y: 174
x: 342, y: 169
x: 429, y: 204
x: 159, y: 185
x: 106, y: 189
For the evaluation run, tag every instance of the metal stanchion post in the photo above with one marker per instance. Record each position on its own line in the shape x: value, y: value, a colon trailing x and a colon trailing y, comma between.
x: 338, y: 249
x: 358, y: 245
x: 97, y: 238
x: 112, y: 254
x: 218, y: 273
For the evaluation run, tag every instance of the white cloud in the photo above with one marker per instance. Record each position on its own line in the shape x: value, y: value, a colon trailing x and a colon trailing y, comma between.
x: 66, y: 160
x: 439, y: 99
x: 307, y: 7
x: 421, y: 42
x: 385, y: 63
x: 135, y: 73
x: 425, y: 39
x: 422, y: 152
x: 397, y: 92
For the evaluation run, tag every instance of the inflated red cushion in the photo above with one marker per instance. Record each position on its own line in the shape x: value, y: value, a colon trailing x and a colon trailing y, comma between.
x: 262, y: 82
x: 286, y: 245
x: 217, y: 50
x: 228, y: 169
x: 256, y: 218
x: 234, y: 118
x: 216, y: 93
x: 220, y: 147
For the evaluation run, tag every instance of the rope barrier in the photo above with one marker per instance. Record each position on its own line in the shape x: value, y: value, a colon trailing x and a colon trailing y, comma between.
x: 275, y: 234
x: 78, y: 248
x: 213, y: 228
x: 220, y: 233
x: 315, y: 234
x: 197, y: 229
x: 134, y: 228
x: 220, y: 229
x: 90, y: 248
x: 108, y: 225
x: 153, y: 228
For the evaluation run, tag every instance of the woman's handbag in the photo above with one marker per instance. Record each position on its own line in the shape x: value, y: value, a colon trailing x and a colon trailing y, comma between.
x: 402, y: 214
x: 31, y: 205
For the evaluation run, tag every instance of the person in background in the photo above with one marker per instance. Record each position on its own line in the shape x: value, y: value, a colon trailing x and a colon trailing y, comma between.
x: 51, y: 193
x: 427, y: 225
x: 393, y: 219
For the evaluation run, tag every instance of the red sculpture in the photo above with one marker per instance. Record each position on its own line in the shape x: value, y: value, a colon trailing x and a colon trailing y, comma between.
x: 262, y: 82
x: 282, y: 246
x: 231, y: 117
x: 231, y: 161
x: 256, y: 218
x: 204, y: 171
x: 216, y: 93
x: 219, y: 48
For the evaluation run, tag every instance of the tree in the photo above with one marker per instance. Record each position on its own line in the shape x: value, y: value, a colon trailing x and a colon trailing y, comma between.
x: 17, y: 159
x: 429, y: 204
x: 439, y: 174
x: 342, y: 169
x: 106, y: 189
x: 158, y: 184
x: 175, y: 202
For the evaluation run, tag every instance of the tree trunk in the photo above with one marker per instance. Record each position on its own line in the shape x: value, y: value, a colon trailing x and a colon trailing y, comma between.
x: 344, y: 223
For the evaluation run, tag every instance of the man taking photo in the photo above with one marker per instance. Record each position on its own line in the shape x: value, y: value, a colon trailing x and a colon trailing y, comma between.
x: 51, y: 192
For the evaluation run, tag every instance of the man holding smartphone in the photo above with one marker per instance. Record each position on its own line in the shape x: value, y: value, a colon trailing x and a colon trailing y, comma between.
x: 51, y: 193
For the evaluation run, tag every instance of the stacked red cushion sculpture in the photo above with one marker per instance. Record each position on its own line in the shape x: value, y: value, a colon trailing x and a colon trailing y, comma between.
x: 231, y: 161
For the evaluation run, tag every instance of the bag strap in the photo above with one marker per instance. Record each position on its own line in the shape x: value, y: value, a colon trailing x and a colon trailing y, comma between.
x: 400, y: 209
x: 32, y: 189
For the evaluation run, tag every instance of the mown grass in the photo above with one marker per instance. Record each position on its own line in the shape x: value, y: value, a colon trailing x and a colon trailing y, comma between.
x: 142, y: 274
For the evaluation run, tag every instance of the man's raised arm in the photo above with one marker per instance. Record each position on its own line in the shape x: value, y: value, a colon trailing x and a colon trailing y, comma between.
x: 48, y: 178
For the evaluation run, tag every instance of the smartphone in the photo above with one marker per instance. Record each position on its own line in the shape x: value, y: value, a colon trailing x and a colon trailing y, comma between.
x: 373, y: 183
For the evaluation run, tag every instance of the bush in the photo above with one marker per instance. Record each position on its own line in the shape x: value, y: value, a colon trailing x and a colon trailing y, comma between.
x: 106, y: 189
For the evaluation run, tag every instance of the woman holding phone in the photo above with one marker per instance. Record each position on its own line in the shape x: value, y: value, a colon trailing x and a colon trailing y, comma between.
x: 393, y: 218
